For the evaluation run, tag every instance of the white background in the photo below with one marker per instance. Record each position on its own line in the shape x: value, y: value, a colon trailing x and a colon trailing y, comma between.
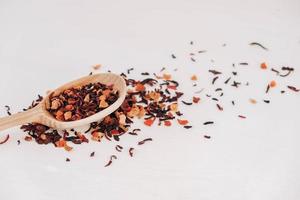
x: 46, y: 43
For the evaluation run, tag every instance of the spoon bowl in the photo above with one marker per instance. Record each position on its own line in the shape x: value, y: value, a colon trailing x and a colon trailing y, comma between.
x: 39, y: 114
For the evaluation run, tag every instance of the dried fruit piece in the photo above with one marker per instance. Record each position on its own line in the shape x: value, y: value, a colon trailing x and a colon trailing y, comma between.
x: 60, y: 143
x: 103, y: 104
x: 142, y: 112
x: 167, y: 123
x: 194, y: 78
x: 196, y: 99
x: 122, y: 119
x: 55, y: 104
x: 68, y: 115
x: 67, y: 147
x: 148, y: 122
x: 96, y: 66
x: 272, y: 84
x: 263, y: 65
x: 174, y: 107
x: 83, y: 101
x: 28, y: 138
x: 183, y: 121
x: 69, y: 107
x: 154, y: 95
x: 106, y: 92
x: 167, y: 76
x: 253, y: 101
x: 172, y: 87
x: 139, y: 87
x: 97, y: 136
x: 86, y: 98
x: 59, y: 115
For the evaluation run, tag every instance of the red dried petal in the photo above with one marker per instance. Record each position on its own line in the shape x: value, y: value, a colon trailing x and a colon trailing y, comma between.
x: 183, y: 121
x: 114, y: 132
x: 196, y: 99
x: 173, y: 87
x: 148, y: 122
x: 167, y: 123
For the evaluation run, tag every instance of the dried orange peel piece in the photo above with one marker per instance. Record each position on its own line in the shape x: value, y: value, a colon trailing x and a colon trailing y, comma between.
x: 139, y: 87
x: 272, y: 84
x: 263, y: 65
x: 194, y: 78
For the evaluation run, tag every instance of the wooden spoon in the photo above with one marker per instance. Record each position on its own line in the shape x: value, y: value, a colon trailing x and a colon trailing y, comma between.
x: 39, y: 113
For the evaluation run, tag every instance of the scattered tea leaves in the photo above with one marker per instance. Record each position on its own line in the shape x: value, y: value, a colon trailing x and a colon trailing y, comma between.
x: 258, y: 44
x: 208, y: 122
x: 130, y: 151
x: 8, y: 109
x: 293, y: 88
x: 92, y: 154
x: 207, y: 136
x: 220, y: 108
x: 110, y: 160
x: 227, y: 80
x: 187, y: 103
x: 214, y: 72
x: 214, y: 79
x: 145, y: 140
x: 242, y: 116
x: 145, y: 73
x: 129, y: 70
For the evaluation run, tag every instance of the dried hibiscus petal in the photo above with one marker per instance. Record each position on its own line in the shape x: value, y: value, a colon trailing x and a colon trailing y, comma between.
x: 196, y: 99
x: 131, y: 151
x: 167, y: 123
x: 145, y: 140
x: 172, y: 87
x: 114, y: 132
x: 183, y: 121
x: 148, y: 122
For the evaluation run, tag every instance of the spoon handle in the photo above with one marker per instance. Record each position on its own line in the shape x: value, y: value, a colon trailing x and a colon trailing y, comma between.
x: 31, y: 115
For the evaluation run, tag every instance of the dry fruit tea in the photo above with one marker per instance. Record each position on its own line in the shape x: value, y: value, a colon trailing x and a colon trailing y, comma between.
x: 82, y: 101
x: 151, y: 100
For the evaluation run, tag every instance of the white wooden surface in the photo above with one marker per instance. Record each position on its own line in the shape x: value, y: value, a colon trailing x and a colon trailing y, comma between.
x: 46, y: 43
